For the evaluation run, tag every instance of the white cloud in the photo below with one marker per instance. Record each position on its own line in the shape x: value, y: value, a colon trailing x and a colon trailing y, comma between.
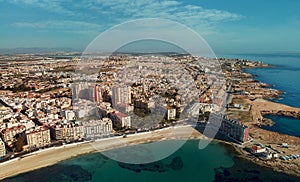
x: 120, y: 10
x: 53, y: 6
x: 112, y: 12
x: 173, y: 10
x: 59, y: 25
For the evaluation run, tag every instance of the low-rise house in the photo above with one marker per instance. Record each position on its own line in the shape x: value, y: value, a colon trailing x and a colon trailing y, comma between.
x: 285, y: 145
x: 257, y: 149
x: 266, y: 155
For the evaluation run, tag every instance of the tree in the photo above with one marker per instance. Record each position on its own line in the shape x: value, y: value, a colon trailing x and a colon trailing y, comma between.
x: 20, y: 143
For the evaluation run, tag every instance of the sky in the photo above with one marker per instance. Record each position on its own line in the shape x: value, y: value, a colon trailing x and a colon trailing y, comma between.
x: 228, y: 26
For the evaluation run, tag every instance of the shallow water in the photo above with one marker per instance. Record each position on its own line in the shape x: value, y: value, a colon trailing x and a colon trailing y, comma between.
x: 217, y: 162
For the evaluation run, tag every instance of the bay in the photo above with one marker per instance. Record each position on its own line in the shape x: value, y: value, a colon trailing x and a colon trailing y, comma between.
x: 217, y: 162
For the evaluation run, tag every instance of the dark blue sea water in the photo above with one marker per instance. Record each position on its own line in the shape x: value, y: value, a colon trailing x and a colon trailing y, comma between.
x: 217, y: 162
x: 286, y: 125
x: 284, y: 76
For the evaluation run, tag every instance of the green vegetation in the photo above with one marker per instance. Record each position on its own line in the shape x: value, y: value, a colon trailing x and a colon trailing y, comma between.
x: 177, y: 114
x: 169, y: 95
x: 142, y: 112
x: 204, y: 116
x: 107, y: 69
x: 49, y: 89
x: 19, y: 143
x: 63, y: 69
x: 18, y: 88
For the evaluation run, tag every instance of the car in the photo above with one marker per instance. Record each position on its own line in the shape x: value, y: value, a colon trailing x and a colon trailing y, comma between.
x: 294, y: 156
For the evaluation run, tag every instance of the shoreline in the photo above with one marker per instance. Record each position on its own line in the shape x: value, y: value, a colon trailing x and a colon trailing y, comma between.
x: 254, y: 118
x: 55, y: 155
x: 262, y: 104
x: 52, y: 156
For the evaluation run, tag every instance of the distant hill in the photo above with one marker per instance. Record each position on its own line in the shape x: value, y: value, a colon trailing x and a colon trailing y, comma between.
x: 35, y: 50
x: 154, y: 53
x: 278, y: 54
x: 76, y: 52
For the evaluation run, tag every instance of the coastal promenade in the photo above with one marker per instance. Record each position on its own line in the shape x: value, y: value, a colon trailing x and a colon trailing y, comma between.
x: 54, y: 155
x: 249, y: 107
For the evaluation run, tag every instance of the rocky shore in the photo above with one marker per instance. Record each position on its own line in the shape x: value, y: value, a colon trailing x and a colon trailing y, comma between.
x: 295, y: 114
x: 254, y: 103
x: 247, y: 93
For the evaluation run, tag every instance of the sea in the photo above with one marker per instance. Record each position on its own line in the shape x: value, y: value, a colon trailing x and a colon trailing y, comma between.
x: 216, y: 162
x: 284, y: 75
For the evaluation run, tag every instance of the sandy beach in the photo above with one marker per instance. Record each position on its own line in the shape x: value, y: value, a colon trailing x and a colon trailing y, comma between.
x: 54, y: 155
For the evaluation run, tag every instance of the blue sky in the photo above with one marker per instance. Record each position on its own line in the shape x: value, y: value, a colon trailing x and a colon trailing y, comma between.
x: 229, y: 26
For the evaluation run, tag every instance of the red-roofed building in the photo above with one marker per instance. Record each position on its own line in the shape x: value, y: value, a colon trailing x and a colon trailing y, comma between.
x: 257, y: 149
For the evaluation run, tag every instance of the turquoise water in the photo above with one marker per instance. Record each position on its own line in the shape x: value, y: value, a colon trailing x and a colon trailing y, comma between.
x: 217, y: 162
x: 199, y: 164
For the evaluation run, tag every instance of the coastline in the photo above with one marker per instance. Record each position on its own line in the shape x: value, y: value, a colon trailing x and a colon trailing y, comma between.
x: 42, y: 159
x: 55, y: 155
x: 260, y: 107
x: 261, y: 103
x: 51, y: 156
